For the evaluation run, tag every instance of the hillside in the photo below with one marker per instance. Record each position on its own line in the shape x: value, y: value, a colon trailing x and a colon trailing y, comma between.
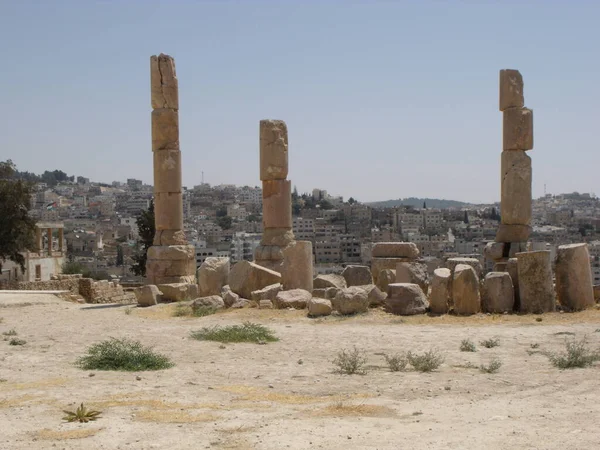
x: 418, y: 203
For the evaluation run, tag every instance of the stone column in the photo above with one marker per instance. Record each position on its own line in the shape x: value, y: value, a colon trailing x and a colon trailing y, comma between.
x: 536, y: 291
x: 277, y: 195
x: 574, y: 284
x: 38, y: 240
x: 49, y: 241
x: 60, y: 239
x: 170, y: 259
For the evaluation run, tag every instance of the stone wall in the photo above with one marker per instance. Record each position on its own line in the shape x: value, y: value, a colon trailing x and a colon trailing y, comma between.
x: 67, y: 284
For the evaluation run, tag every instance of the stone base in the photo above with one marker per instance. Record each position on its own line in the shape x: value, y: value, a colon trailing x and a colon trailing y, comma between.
x: 379, y: 264
x: 171, y: 264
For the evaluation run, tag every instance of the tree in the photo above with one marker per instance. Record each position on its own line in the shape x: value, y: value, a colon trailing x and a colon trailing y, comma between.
x: 224, y: 222
x: 351, y: 201
x: 466, y: 219
x: 146, y: 230
x: 424, y: 205
x: 120, y: 259
x: 17, y: 228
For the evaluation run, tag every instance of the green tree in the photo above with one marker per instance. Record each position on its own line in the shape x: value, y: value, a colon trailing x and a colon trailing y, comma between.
x: 17, y: 228
x: 146, y: 230
x: 222, y: 212
x: 466, y: 218
x: 351, y: 201
x: 224, y: 222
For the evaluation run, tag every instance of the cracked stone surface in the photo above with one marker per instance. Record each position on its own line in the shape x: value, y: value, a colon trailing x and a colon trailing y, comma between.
x: 515, y: 204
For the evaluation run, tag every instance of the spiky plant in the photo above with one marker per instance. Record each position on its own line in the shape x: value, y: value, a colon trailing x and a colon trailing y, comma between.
x: 81, y: 414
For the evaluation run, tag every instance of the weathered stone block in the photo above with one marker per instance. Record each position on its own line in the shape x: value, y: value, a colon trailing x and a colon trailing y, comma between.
x: 329, y: 280
x: 511, y: 89
x: 351, y: 300
x: 177, y: 292
x: 213, y: 275
x: 165, y: 129
x: 413, y: 272
x: 280, y: 237
x: 512, y: 270
x: 357, y: 275
x: 268, y: 253
x: 473, y: 262
x: 163, y: 82
x: 536, y: 291
x: 229, y: 297
x: 319, y: 307
x: 211, y: 301
x: 277, y: 204
x: 267, y: 293
x: 513, y: 233
x: 169, y: 237
x: 376, y: 297
x: 386, y: 276
x: 295, y: 298
x: 168, y: 210
x: 465, y: 290
x: 167, y: 170
x: 515, y: 201
x: 494, y: 250
x: 406, y: 299
x: 265, y: 304
x: 518, y: 129
x: 395, y: 250
x: 273, y: 150
x: 498, y: 293
x: 172, y: 253
x: 439, y: 296
x: 246, y: 277
x: 379, y: 264
x: 148, y: 295
x: 574, y: 277
x: 297, y: 272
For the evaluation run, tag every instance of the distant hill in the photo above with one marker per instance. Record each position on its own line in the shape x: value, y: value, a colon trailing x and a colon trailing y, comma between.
x: 418, y: 203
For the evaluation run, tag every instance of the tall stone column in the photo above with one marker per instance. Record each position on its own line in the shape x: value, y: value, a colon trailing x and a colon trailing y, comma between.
x: 170, y: 259
x: 49, y: 231
x: 515, y: 201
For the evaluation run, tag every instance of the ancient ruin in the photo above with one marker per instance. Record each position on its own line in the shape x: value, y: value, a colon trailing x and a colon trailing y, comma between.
x: 170, y: 259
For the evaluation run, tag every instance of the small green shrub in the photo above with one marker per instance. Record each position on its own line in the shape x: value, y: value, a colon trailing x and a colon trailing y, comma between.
x: 82, y: 414
x: 247, y: 332
x: 466, y: 345
x: 397, y: 362
x: 122, y: 355
x: 350, y: 362
x: 490, y: 343
x: 188, y: 311
x: 426, y: 362
x: 492, y: 367
x: 17, y: 341
x: 576, y: 355
x: 12, y: 332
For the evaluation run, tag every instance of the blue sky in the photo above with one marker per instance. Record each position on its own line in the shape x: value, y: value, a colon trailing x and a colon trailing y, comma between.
x: 383, y: 99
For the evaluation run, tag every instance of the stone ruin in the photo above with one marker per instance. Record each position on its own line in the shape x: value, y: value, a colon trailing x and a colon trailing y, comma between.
x: 281, y: 275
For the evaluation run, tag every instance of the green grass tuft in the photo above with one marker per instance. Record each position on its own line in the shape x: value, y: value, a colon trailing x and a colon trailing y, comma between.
x: 426, y: 362
x: 492, y: 367
x: 247, y: 332
x: 17, y: 341
x: 576, y: 355
x: 396, y: 363
x: 467, y: 345
x: 188, y: 311
x: 122, y: 355
x: 350, y: 362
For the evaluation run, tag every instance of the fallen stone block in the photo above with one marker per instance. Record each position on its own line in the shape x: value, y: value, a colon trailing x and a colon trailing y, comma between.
x: 406, y: 299
x: 246, y: 277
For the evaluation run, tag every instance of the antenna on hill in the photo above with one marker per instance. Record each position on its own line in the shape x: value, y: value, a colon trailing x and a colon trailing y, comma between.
x: 203, y: 177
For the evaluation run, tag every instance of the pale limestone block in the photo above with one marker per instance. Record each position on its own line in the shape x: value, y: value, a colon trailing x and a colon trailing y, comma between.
x: 465, y: 290
x: 172, y: 252
x: 413, y: 272
x: 246, y: 277
x: 267, y: 293
x: 395, y: 250
x: 494, y: 250
x: 379, y: 264
x: 163, y: 82
x: 536, y: 291
x: 498, y: 293
x: 351, y: 300
x: 169, y: 238
x: 213, y: 275
x: 511, y: 89
x: 148, y: 295
x: 297, y: 272
x: 178, y: 292
x: 165, y: 129
x: 273, y: 150
x: 277, y: 204
x: 574, y: 277
x: 386, y: 276
x: 279, y: 237
x: 295, y: 298
x: 517, y: 129
x: 513, y: 233
x: 356, y: 275
x: 512, y: 269
x: 329, y: 280
x: 168, y: 210
x: 439, y: 297
x: 167, y: 170
x: 515, y: 200
x: 319, y: 307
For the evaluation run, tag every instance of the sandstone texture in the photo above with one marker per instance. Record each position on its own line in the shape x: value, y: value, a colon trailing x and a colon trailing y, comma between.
x: 465, y: 290
x: 386, y: 276
x: 273, y: 150
x: 498, y: 293
x: 178, y: 292
x: 267, y: 293
x: 297, y: 272
x: 351, y: 300
x: 329, y: 280
x: 406, y: 299
x: 513, y: 233
x: 439, y: 296
x: 213, y: 275
x: 228, y: 296
x: 511, y: 89
x: 574, y: 284
x: 536, y: 292
x: 148, y: 295
x: 518, y: 129
x: 395, y: 250
x: 376, y: 297
x: 413, y: 272
x: 296, y: 298
x: 211, y: 301
x: 357, y: 275
x: 319, y: 307
x: 515, y: 199
x: 246, y: 277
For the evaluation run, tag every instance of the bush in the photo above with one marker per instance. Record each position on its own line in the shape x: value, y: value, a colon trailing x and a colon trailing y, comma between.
x: 188, y: 311
x: 577, y: 355
x: 427, y: 362
x: 350, y: 362
x: 492, y: 367
x: 396, y: 363
x: 247, y: 332
x: 490, y: 343
x: 467, y: 345
x: 122, y: 355
x: 17, y: 341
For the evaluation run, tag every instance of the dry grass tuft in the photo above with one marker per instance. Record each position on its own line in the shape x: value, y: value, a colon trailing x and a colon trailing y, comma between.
x: 171, y: 416
x: 53, y: 435
x: 341, y: 409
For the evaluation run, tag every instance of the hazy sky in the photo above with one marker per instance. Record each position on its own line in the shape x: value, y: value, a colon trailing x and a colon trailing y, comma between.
x: 383, y: 99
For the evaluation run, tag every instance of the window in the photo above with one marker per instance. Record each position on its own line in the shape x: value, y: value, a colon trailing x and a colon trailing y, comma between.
x: 38, y: 272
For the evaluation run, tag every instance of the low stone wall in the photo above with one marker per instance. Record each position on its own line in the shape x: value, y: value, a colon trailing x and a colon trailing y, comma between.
x: 70, y: 284
x: 104, y: 292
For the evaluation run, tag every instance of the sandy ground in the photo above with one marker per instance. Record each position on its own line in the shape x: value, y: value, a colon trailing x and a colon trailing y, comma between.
x: 285, y: 395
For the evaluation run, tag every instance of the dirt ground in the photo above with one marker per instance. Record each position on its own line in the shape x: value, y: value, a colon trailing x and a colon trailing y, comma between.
x: 285, y: 395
